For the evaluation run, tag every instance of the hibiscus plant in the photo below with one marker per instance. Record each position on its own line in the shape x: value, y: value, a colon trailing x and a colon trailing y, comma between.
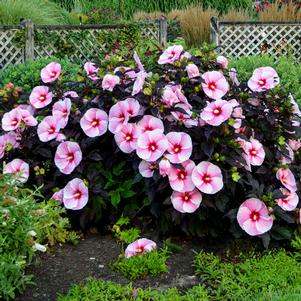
x: 215, y: 153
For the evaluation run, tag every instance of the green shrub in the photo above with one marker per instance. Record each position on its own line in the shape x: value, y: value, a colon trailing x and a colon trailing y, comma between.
x: 151, y: 263
x: 289, y: 72
x: 24, y: 222
x: 12, y: 277
x: 52, y: 226
x: 253, y: 277
x: 27, y: 75
x: 95, y: 290
x: 39, y: 11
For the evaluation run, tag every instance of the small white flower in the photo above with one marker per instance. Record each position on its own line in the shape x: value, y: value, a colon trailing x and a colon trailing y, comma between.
x: 32, y: 233
x: 39, y: 247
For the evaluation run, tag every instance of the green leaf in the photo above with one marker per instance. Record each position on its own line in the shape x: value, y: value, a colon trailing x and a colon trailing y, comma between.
x: 115, y: 197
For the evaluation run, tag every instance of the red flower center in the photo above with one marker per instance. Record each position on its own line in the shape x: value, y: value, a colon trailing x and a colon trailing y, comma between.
x: 51, y: 130
x: 206, y: 179
x: 42, y: 97
x: 182, y: 174
x: 186, y: 197
x: 177, y: 148
x: 95, y: 122
x: 262, y: 82
x: 217, y: 111
x: 77, y: 194
x: 129, y: 137
x: 172, y: 54
x: 148, y: 128
x: 139, y: 250
x: 52, y: 73
x: 70, y: 157
x: 152, y: 146
x: 253, y: 152
x: 254, y: 216
x: 212, y: 86
x: 14, y: 121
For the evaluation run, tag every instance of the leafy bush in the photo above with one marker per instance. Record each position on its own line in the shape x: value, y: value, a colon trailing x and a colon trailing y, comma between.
x: 27, y: 75
x: 23, y: 224
x: 289, y: 72
x: 244, y: 148
x: 94, y: 290
x: 256, y: 278
x: 150, y: 263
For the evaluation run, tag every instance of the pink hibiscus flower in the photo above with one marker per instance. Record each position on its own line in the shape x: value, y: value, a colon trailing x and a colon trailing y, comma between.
x: 179, y: 147
x: 127, y: 137
x: 51, y: 72
x: 233, y: 76
x: 17, y: 167
x: 173, y: 95
x: 217, y: 112
x: 58, y: 196
x: 290, y: 202
x: 254, y: 153
x: 61, y: 111
x: 110, y: 81
x: 186, y: 202
x: 192, y: 70
x: 94, y: 123
x: 150, y: 123
x: 11, y: 120
x: 171, y: 54
x: 40, y: 97
x: 287, y: 179
x: 294, y: 144
x: 75, y: 195
x: 164, y: 167
x: 147, y: 169
x: 253, y: 217
x: 183, y: 118
x: 8, y: 141
x: 48, y: 128
x: 180, y: 178
x: 120, y: 113
x: 72, y: 94
x: 221, y: 60
x: 207, y: 177
x: 151, y: 145
x: 91, y: 70
x: 27, y: 117
x: 215, y: 85
x: 139, y: 82
x: 139, y: 247
x: 67, y: 157
x: 263, y: 78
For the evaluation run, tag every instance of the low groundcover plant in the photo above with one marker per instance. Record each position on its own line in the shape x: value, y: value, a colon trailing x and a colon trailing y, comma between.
x: 204, y: 142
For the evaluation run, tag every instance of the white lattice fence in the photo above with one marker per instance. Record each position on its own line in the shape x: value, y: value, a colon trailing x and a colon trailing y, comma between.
x: 238, y: 39
x: 10, y: 51
x: 78, y: 43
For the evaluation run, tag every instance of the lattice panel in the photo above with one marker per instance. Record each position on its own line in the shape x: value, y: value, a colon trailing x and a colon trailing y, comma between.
x: 10, y: 51
x: 83, y: 44
x: 252, y: 39
x: 150, y: 31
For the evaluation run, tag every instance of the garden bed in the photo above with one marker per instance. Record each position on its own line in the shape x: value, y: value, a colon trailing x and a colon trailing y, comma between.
x: 56, y: 271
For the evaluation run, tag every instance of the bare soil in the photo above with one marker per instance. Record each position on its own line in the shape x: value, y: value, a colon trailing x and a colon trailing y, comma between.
x: 55, y: 271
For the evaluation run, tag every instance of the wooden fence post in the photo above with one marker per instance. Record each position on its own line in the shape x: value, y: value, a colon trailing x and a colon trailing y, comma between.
x: 214, y: 31
x: 29, y: 39
x: 163, y: 31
